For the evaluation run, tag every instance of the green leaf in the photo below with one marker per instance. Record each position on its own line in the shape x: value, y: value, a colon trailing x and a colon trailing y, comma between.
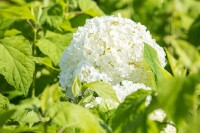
x: 53, y: 45
x: 44, y: 61
x: 15, y: 52
x: 52, y: 17
x: 188, y: 54
x: 194, y: 125
x: 26, y: 112
x: 103, y: 89
x: 20, y: 12
x: 79, y: 20
x: 66, y: 25
x: 19, y: 129
x: 76, y: 87
x: 49, y: 97
x: 176, y: 66
x: 4, y: 102
x: 27, y: 117
x: 90, y: 7
x: 131, y: 116
x: 193, y: 32
x: 151, y: 58
x: 5, y: 116
x: 176, y: 97
x: 70, y: 116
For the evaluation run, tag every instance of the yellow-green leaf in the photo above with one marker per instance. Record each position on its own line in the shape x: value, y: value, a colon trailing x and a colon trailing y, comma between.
x: 15, y: 54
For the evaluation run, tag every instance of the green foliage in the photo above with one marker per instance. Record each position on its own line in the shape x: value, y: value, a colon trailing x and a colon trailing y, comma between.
x: 150, y: 57
x: 176, y: 66
x: 76, y: 87
x: 193, y: 32
x: 69, y: 116
x: 103, y: 89
x: 49, y: 97
x: 16, y: 56
x: 33, y: 35
x: 5, y: 116
x: 53, y: 45
x: 20, y: 12
x: 4, y: 103
x: 90, y: 7
x: 131, y: 115
x: 179, y: 102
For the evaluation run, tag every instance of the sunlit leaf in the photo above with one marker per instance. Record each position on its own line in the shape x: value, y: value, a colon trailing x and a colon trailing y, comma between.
x: 44, y: 61
x: 53, y: 45
x: 21, y: 12
x: 50, y: 96
x: 26, y: 112
x: 103, y: 89
x: 15, y: 52
x: 90, y: 7
x: 151, y: 58
x: 76, y: 87
x: 70, y: 116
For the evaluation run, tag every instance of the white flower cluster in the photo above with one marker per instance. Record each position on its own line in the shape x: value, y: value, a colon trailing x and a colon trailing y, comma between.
x: 108, y: 48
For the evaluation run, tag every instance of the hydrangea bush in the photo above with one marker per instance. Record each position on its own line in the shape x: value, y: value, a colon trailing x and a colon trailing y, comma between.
x: 110, y: 49
x: 113, y: 74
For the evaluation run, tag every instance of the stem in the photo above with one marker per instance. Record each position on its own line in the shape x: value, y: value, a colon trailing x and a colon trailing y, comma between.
x: 33, y: 53
x: 35, y: 28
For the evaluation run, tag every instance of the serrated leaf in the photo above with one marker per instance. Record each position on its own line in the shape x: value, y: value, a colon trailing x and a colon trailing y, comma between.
x: 71, y: 116
x: 176, y: 97
x: 15, y: 53
x: 5, y: 116
x: 90, y: 7
x: 103, y: 89
x: 53, y: 45
x: 76, y: 87
x: 131, y: 116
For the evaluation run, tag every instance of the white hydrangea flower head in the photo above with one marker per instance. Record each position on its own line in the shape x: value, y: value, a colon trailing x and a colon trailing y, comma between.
x: 108, y: 48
